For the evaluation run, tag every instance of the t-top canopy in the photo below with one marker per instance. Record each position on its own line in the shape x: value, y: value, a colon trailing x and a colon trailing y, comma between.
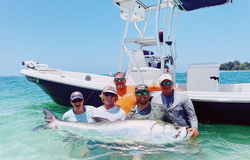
x: 189, y: 5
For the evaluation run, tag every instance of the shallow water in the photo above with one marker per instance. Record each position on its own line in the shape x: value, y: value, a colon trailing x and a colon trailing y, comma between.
x: 21, y: 112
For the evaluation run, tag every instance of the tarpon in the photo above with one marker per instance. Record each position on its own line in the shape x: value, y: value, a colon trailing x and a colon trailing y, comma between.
x: 146, y: 131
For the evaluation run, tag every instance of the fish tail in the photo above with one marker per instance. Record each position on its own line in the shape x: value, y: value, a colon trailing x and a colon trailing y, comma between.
x: 49, y: 116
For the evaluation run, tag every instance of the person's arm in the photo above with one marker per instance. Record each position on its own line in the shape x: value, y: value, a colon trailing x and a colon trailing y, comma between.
x: 65, y: 116
x: 191, y: 116
x: 189, y: 108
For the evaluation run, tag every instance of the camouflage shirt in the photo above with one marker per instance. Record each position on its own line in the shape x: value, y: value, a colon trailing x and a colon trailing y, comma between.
x: 152, y: 111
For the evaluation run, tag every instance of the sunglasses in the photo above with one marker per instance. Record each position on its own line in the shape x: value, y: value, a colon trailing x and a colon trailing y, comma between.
x: 77, y: 100
x: 166, y: 83
x: 142, y: 93
x: 121, y: 79
x: 106, y: 94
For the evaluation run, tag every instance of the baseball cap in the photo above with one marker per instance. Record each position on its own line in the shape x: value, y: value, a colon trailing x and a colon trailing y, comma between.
x: 141, y: 88
x: 165, y: 76
x: 110, y: 89
x: 76, y: 95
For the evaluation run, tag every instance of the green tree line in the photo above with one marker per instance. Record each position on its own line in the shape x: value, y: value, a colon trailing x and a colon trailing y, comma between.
x: 236, y: 65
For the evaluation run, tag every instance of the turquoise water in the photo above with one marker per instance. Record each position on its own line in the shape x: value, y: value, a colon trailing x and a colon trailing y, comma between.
x: 225, y: 77
x: 21, y: 112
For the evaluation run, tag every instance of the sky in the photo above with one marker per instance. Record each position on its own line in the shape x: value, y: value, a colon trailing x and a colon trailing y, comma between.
x: 86, y: 35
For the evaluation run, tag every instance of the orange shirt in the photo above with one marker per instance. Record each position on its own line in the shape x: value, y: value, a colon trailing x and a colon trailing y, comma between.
x: 127, y: 99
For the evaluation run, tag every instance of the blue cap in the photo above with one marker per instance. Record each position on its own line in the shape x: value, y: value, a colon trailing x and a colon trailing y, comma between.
x: 76, y: 95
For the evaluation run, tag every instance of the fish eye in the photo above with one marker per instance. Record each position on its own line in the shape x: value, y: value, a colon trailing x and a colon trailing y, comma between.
x: 177, y: 127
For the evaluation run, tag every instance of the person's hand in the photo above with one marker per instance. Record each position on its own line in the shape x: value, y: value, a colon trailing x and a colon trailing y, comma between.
x: 194, y: 132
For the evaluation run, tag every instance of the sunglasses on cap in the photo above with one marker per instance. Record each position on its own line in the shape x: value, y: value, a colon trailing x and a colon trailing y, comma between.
x: 106, y: 94
x: 166, y: 83
x: 142, y: 93
x: 117, y: 79
x: 77, y: 100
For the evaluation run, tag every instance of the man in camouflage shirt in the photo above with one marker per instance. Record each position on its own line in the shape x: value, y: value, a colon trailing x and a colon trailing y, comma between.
x: 146, y: 110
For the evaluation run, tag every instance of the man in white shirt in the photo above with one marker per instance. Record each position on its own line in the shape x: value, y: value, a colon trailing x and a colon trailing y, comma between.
x: 109, y: 111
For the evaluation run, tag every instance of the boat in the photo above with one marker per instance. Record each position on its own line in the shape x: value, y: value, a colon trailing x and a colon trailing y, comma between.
x: 152, y: 55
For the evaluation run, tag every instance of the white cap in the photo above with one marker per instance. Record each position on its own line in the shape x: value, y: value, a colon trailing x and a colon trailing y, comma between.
x: 164, y: 77
x: 110, y: 89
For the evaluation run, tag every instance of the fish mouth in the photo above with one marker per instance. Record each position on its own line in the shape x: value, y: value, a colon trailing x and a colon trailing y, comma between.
x: 178, y: 134
x: 185, y: 135
x: 186, y: 132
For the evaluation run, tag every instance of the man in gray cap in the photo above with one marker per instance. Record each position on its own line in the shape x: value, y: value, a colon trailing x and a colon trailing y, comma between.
x: 79, y: 112
x: 178, y: 104
x: 146, y: 110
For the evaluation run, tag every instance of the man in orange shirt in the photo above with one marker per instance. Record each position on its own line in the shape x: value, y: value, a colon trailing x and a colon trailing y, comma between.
x: 126, y: 94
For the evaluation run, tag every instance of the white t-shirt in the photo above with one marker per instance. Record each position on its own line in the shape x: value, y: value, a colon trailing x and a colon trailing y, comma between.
x: 84, y: 117
x: 113, y: 114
